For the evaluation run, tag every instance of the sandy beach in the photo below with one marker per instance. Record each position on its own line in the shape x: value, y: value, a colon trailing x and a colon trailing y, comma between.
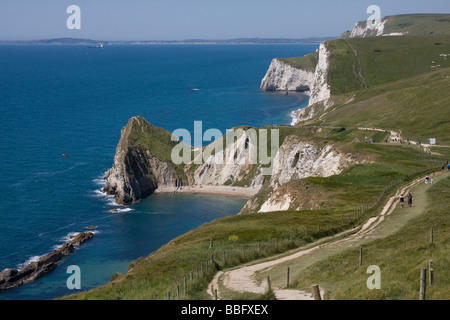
x: 208, y: 189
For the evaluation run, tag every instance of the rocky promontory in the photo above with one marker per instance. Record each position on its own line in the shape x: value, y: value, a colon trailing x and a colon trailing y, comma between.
x: 141, y: 163
x: 281, y: 76
x: 12, y: 278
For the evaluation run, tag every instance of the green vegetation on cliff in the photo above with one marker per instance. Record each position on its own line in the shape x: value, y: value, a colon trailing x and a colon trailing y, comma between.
x: 391, y: 83
x: 307, y: 62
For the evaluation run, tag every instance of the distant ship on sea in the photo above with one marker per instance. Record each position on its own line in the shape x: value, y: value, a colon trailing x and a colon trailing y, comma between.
x: 99, y: 46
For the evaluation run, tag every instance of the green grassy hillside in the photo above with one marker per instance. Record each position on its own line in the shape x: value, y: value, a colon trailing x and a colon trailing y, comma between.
x: 399, y: 256
x: 418, y: 24
x: 419, y: 107
x: 382, y: 82
x: 366, y: 62
x: 307, y: 62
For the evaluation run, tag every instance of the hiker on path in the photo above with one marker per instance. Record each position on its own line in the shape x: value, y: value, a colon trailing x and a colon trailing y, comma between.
x: 426, y: 179
x: 402, y: 200
x: 410, y: 197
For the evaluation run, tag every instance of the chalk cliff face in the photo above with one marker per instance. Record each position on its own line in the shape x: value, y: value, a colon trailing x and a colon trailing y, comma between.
x: 231, y: 163
x: 136, y: 172
x: 283, y: 77
x: 320, y: 88
x: 299, y: 158
x: 378, y: 29
x: 140, y: 167
x: 362, y: 29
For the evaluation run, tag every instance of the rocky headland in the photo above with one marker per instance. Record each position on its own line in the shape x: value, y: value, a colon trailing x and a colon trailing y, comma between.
x: 137, y: 172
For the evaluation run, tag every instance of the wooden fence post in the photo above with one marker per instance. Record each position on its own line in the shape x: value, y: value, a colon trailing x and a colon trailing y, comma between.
x: 431, y: 236
x: 360, y: 256
x: 431, y: 271
x: 287, y: 277
x: 316, y: 292
x: 423, y: 284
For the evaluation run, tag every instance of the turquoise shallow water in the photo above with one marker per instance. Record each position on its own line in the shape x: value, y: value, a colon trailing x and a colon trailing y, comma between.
x: 75, y: 100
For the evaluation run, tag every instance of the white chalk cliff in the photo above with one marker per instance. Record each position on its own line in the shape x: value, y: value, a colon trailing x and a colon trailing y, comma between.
x: 377, y: 29
x: 230, y: 163
x: 283, y: 77
x: 320, y: 89
x: 363, y: 30
x: 298, y: 159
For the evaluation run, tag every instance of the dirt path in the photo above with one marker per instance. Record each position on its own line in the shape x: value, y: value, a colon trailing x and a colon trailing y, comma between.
x: 245, y: 278
x: 357, y: 66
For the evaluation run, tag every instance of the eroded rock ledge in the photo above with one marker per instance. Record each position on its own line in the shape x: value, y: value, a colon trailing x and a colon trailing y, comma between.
x: 12, y: 278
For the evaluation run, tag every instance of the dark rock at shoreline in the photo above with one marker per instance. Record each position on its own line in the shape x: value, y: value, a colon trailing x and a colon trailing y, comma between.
x: 140, y: 164
x: 12, y: 278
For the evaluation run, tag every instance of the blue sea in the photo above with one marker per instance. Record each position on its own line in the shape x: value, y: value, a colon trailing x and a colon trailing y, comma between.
x: 75, y: 100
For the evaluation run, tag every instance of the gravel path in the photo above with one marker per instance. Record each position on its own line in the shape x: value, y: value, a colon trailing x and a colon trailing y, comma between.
x: 243, y: 278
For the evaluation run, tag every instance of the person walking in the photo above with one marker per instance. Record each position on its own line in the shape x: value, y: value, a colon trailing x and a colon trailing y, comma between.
x: 402, y: 200
x: 410, y: 198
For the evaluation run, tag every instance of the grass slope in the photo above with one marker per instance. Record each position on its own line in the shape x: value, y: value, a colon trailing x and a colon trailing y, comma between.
x: 307, y: 62
x: 366, y: 62
x: 400, y: 256
x: 386, y: 77
x: 419, y: 107
x: 418, y: 24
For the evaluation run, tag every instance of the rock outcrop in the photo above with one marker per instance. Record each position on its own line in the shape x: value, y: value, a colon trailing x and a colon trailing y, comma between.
x: 320, y: 89
x: 377, y: 29
x: 298, y: 159
x: 283, y: 77
x: 362, y: 30
x: 137, y: 171
x: 234, y: 162
x: 12, y: 278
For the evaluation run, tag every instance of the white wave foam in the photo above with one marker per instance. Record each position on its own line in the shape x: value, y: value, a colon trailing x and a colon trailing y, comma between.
x: 125, y: 210
x: 99, y: 181
x: 28, y: 261
x: 294, y: 117
x: 109, y: 199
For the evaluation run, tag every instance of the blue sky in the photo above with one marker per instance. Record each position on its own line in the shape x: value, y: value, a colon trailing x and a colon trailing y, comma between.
x: 195, y: 19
